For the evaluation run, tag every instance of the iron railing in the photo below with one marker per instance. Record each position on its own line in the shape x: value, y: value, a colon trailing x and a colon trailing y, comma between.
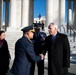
x: 69, y: 29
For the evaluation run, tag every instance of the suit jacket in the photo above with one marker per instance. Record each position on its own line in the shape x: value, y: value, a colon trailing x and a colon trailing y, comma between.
x: 58, y: 54
x: 39, y: 42
x: 24, y: 54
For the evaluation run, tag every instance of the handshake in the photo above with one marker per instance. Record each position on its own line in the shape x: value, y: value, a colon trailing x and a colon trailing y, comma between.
x: 42, y: 56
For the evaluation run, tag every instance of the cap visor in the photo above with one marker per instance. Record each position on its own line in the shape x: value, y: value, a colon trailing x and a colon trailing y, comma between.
x: 32, y: 30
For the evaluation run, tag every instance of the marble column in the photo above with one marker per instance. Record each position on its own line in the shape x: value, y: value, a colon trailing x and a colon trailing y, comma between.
x: 74, y: 23
x: 61, y: 12
x: 13, y: 13
x: 72, y: 8
x: 52, y: 11
x: 31, y: 12
x: 18, y: 13
x: 69, y: 13
x: 1, y: 13
x: 26, y: 12
x: 72, y: 12
x: 7, y: 15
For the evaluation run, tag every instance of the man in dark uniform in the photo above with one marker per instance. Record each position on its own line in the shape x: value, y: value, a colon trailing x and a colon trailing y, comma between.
x: 39, y: 41
x: 58, y: 48
x: 24, y: 53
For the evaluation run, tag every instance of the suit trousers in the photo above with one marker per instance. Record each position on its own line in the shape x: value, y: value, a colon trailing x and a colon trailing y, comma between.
x: 40, y: 66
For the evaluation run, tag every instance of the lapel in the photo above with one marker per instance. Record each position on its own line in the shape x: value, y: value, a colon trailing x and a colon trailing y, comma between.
x: 52, y: 46
x: 57, y: 39
x: 50, y: 40
x: 36, y: 35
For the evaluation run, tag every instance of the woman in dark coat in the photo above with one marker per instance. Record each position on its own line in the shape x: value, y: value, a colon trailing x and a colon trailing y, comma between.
x: 4, y: 54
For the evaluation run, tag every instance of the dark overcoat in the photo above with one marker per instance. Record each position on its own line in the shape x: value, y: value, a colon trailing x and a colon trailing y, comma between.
x: 4, y: 57
x: 58, y: 54
x: 24, y: 54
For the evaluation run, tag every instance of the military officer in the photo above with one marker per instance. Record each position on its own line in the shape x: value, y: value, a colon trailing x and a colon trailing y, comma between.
x: 24, y: 53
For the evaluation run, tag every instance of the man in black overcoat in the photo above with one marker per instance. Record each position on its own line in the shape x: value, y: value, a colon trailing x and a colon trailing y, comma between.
x: 58, y: 48
x: 24, y: 53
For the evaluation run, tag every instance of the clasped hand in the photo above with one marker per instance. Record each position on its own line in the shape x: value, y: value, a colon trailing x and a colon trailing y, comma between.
x: 42, y: 56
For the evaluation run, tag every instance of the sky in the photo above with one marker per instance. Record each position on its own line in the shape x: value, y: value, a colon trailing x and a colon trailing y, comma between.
x: 39, y: 7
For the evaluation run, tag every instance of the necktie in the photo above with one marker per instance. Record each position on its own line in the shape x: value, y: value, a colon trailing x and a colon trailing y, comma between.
x: 53, y: 39
x: 37, y: 35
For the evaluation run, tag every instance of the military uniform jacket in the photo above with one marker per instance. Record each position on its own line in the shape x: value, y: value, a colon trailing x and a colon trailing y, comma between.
x: 58, y: 54
x: 24, y: 54
x: 39, y: 41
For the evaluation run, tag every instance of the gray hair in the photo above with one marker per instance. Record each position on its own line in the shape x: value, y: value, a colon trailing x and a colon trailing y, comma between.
x: 53, y: 25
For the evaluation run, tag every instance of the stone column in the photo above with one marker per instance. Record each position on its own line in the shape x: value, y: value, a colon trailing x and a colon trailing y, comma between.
x: 52, y: 11
x: 25, y: 12
x: 72, y: 12
x: 18, y: 13
x: 74, y: 23
x: 61, y: 12
x: 13, y: 13
x: 7, y: 15
x: 0, y: 13
x: 69, y: 13
x: 31, y: 12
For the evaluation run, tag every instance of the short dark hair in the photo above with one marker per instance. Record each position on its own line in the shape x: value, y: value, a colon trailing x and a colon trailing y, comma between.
x: 2, y: 32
